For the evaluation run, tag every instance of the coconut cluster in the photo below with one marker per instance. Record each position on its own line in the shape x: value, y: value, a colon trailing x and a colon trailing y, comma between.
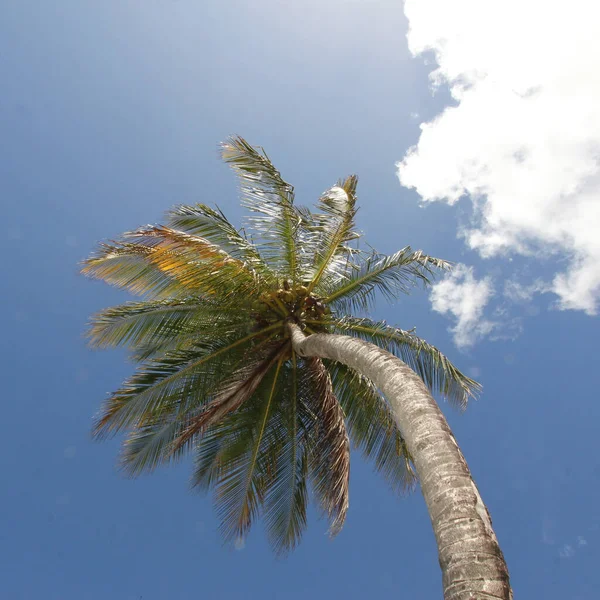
x: 289, y: 302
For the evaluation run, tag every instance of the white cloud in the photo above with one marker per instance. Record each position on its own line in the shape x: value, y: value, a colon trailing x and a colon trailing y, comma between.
x: 523, y: 141
x: 517, y: 292
x: 566, y: 551
x: 463, y: 297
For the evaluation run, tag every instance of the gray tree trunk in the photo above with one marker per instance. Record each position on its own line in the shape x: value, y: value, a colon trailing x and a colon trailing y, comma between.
x: 472, y: 563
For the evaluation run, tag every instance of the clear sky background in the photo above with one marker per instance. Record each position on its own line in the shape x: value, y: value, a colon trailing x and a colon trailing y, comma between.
x: 110, y: 112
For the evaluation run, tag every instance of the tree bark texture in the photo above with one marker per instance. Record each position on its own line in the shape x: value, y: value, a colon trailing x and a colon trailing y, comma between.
x: 472, y: 563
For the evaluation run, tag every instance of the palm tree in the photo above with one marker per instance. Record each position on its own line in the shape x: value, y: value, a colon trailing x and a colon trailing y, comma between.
x: 248, y: 358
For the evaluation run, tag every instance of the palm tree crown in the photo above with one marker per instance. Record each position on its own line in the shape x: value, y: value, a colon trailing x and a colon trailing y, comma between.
x: 217, y: 373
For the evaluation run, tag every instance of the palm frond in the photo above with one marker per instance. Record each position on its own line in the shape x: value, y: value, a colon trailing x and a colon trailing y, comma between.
x: 244, y: 465
x: 163, y: 262
x: 390, y: 275
x: 211, y: 223
x: 238, y: 387
x: 287, y: 495
x: 435, y: 369
x: 333, y: 228
x: 329, y: 458
x: 144, y: 324
x: 197, y: 263
x: 371, y: 426
x: 189, y: 338
x: 271, y: 200
x: 151, y: 445
x: 223, y: 444
x: 130, y: 266
x: 206, y: 451
x: 174, y: 383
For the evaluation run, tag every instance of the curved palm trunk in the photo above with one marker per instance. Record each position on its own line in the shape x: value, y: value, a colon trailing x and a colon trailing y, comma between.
x: 472, y: 563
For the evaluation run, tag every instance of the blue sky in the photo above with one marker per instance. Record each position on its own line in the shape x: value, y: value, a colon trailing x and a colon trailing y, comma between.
x: 111, y: 112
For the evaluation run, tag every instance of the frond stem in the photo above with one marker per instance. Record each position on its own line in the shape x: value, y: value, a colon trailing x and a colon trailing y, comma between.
x: 220, y: 351
x: 262, y: 427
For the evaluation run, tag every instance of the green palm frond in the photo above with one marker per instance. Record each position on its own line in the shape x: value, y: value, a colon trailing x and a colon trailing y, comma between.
x: 246, y: 463
x: 271, y: 200
x: 330, y: 448
x: 211, y: 223
x: 206, y: 452
x: 187, y: 339
x: 435, y: 369
x: 287, y: 498
x: 239, y: 387
x: 333, y: 228
x: 391, y: 275
x: 371, y: 426
x: 176, y: 382
x: 151, y: 445
x: 142, y: 324
x: 167, y: 435
x: 285, y: 507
